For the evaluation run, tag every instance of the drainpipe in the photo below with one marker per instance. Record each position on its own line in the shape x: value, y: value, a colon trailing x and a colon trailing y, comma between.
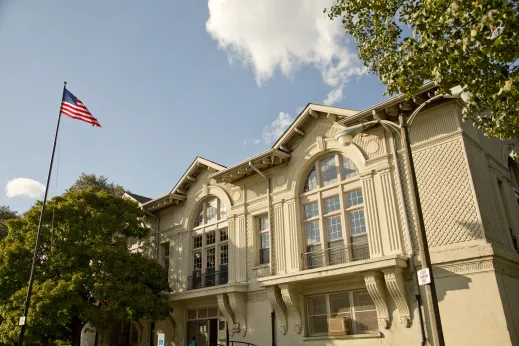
x: 408, y: 234
x: 268, y: 213
x: 272, y: 327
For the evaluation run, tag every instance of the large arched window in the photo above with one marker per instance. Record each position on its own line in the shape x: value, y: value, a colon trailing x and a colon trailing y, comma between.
x: 332, y: 209
x: 209, y: 245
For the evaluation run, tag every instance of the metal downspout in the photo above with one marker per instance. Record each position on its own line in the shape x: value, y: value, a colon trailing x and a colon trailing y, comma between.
x: 268, y: 213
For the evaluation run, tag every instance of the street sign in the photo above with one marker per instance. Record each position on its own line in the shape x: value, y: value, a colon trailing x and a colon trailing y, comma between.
x: 424, y: 277
x: 161, y: 339
x: 22, y: 321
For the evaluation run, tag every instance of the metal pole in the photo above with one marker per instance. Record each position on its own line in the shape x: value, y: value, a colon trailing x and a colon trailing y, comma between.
x: 38, y: 235
x: 430, y: 289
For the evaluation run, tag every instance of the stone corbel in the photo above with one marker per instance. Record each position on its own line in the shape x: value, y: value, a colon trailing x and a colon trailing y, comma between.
x: 375, y: 287
x: 291, y: 298
x: 396, y: 287
x: 225, y: 309
x: 239, y: 308
x: 176, y: 318
x: 276, y: 301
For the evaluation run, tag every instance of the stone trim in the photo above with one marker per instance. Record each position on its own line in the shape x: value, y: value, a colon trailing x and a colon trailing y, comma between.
x: 276, y: 301
x: 462, y: 268
x: 257, y: 296
x: 375, y: 287
x: 395, y: 285
x: 292, y: 302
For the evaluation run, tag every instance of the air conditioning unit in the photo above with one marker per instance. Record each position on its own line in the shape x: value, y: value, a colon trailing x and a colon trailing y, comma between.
x: 338, y: 326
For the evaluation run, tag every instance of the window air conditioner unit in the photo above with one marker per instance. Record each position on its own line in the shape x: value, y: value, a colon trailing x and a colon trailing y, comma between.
x: 338, y: 326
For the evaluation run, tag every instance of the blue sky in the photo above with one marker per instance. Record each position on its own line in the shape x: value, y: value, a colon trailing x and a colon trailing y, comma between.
x: 167, y: 80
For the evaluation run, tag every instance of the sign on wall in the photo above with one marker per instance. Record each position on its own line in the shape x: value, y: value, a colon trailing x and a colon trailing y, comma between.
x: 161, y: 339
x: 424, y: 277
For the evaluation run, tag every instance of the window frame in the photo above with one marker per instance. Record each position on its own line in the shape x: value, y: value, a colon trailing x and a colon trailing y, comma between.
x: 352, y: 307
x: 259, y: 233
x: 165, y: 248
x: 320, y: 194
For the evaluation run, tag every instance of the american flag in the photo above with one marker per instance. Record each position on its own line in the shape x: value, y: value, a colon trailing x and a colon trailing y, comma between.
x: 72, y: 107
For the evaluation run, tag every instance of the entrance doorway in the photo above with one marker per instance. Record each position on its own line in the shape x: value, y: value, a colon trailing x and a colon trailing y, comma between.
x: 207, y: 326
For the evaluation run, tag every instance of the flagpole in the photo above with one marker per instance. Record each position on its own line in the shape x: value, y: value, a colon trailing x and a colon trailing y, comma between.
x: 23, y: 320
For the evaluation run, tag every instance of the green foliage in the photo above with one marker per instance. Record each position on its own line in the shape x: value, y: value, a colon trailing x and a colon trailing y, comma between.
x: 85, y: 272
x: 6, y: 214
x: 472, y: 43
x: 96, y: 183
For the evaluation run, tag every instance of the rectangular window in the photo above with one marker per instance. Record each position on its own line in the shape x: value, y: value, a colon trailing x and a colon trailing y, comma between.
x: 224, y: 255
x: 341, y: 313
x: 354, y: 198
x: 165, y: 256
x: 197, y: 242
x: 197, y: 261
x: 312, y: 233
x: 210, y: 257
x: 224, y: 236
x: 210, y: 238
x: 334, y: 228
x: 311, y: 210
x: 357, y: 222
x: 263, y: 239
x: 328, y: 171
x: 332, y: 204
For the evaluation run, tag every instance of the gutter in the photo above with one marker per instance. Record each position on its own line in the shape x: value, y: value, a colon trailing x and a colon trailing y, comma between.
x: 268, y: 213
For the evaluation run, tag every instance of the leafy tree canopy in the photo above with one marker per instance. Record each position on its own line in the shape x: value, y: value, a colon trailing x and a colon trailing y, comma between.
x: 6, y: 214
x: 96, y: 183
x: 85, y: 273
x: 472, y: 43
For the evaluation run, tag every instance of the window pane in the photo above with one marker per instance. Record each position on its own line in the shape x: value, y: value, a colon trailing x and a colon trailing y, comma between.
x: 332, y: 204
x: 312, y: 233
x: 317, y: 315
x: 340, y: 304
x: 223, y: 234
x: 199, y: 218
x: 311, y: 210
x: 317, y: 305
x: 354, y: 198
x: 210, y: 238
x: 197, y: 260
x: 349, y: 169
x: 357, y: 222
x: 365, y: 312
x: 165, y: 249
x: 310, y: 181
x: 223, y: 211
x: 211, y: 210
x: 224, y: 254
x: 211, y: 258
x: 328, y: 171
x: 263, y: 222
x: 264, y: 241
x: 334, y: 228
x: 197, y: 242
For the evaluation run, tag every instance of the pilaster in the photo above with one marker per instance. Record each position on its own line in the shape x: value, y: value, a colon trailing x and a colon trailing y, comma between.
x: 292, y: 237
x: 232, y: 249
x: 396, y: 287
x: 370, y: 203
x: 279, y: 238
x: 390, y: 210
x: 241, y: 249
x: 292, y: 301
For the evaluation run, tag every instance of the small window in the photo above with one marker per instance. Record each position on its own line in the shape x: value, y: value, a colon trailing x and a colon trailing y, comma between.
x: 197, y: 242
x: 211, y: 257
x: 349, y: 170
x: 224, y: 255
x: 310, y: 181
x: 223, y: 234
x: 355, y: 312
x: 332, y: 204
x: 165, y: 256
x: 328, y: 171
x: 199, y: 218
x: 354, y: 198
x: 311, y: 210
x: 263, y: 239
x: 334, y: 228
x: 210, y: 238
x: 312, y: 233
x: 357, y: 222
x: 197, y: 261
x: 263, y: 222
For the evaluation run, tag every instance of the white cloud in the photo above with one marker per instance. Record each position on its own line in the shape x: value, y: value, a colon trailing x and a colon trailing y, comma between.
x: 251, y: 141
x: 284, y: 34
x: 273, y: 131
x: 24, y: 187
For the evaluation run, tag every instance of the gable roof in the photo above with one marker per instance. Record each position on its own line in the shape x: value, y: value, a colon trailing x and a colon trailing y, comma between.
x: 138, y: 198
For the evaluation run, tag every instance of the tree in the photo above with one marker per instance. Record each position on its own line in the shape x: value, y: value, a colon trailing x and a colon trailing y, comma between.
x: 5, y: 214
x: 85, y: 273
x: 472, y: 43
x: 97, y: 183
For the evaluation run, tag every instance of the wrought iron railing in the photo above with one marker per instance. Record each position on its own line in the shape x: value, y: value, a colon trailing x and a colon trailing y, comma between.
x: 336, y: 255
x: 208, y: 279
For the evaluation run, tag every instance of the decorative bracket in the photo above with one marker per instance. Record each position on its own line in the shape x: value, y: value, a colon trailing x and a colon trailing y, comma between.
x: 291, y: 299
x: 239, y: 307
x: 375, y: 287
x: 225, y: 309
x: 279, y: 307
x: 321, y: 144
x: 176, y: 318
x: 395, y: 285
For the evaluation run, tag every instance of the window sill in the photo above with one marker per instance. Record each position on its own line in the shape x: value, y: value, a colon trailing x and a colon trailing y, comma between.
x: 345, y: 337
x: 261, y: 266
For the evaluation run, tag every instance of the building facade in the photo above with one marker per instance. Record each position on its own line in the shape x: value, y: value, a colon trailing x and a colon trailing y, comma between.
x: 314, y: 243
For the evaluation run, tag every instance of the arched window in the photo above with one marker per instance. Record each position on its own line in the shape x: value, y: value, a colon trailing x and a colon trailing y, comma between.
x: 209, y: 245
x: 332, y: 208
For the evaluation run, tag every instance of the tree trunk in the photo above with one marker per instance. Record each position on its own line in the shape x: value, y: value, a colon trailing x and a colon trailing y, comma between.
x: 76, y: 326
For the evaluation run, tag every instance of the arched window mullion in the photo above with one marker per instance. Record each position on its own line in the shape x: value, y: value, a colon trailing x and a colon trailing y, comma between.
x: 322, y: 228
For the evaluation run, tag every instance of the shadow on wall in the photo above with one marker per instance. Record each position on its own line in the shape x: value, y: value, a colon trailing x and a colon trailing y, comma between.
x: 450, y: 281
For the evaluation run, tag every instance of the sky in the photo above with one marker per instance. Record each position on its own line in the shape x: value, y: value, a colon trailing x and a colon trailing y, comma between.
x: 168, y: 80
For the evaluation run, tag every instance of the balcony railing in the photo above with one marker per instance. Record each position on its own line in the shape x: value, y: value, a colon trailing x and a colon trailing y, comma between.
x: 336, y: 255
x: 209, y: 279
